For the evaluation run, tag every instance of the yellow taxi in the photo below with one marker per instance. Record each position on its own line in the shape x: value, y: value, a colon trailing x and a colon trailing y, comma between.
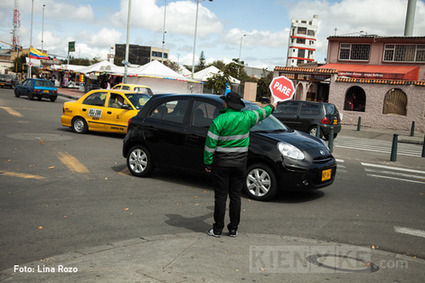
x: 103, y: 110
x: 135, y: 88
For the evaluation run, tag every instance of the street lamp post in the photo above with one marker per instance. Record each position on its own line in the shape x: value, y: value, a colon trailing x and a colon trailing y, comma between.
x: 29, y: 61
x: 240, y: 47
x: 42, y: 30
x: 164, y: 32
x: 194, y: 37
x: 127, y: 47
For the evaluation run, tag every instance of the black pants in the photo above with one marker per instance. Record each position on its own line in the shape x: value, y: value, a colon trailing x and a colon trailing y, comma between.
x: 227, y: 180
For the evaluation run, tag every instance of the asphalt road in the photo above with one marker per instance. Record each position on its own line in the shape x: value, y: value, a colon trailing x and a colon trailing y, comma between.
x: 60, y: 191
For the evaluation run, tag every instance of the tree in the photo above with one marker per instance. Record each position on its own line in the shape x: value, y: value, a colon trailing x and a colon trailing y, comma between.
x: 263, y: 89
x: 172, y: 65
x: 19, y: 64
x: 201, y: 64
x: 218, y: 82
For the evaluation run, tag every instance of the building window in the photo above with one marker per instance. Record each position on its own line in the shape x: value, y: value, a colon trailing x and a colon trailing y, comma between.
x: 302, y: 30
x: 354, y: 52
x: 301, y: 40
x: 355, y: 99
x: 404, y: 53
x: 301, y: 53
x: 311, y: 32
x: 395, y: 102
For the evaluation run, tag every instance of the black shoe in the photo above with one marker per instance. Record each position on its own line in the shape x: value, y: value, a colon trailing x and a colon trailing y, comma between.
x: 233, y: 233
x: 213, y: 233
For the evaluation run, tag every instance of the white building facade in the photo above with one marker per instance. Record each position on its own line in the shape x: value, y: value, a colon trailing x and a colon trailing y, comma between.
x: 302, y: 42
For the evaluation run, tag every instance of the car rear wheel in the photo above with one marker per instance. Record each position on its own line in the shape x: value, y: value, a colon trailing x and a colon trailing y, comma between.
x: 313, y: 131
x: 139, y: 161
x: 52, y: 99
x: 79, y: 125
x: 261, y: 182
x: 31, y: 96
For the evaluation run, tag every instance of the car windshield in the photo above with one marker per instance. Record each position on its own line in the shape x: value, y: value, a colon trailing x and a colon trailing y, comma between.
x: 138, y: 99
x: 270, y: 124
x: 44, y: 83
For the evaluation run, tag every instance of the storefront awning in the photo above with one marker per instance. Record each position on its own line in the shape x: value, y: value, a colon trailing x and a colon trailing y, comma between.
x: 394, y: 72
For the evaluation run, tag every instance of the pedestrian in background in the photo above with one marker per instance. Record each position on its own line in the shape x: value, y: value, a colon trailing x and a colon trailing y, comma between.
x: 226, y: 155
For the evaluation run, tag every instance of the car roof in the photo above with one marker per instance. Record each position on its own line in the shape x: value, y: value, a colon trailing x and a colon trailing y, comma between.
x: 304, y: 101
x: 190, y: 95
x: 133, y: 85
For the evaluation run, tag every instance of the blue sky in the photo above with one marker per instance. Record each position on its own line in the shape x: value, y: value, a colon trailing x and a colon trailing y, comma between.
x: 96, y: 25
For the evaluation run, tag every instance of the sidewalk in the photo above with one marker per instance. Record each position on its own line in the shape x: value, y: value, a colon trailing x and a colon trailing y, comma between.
x: 73, y: 93
x: 196, y: 257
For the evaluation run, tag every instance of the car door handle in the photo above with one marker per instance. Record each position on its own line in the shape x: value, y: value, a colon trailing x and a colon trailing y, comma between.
x: 193, y: 138
x: 84, y: 109
x: 109, y: 112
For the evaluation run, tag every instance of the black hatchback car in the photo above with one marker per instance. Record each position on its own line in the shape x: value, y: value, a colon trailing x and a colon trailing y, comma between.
x: 307, y: 115
x: 170, y: 132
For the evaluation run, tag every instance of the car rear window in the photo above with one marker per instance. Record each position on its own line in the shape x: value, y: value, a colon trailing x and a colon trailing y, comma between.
x: 44, y: 83
x: 331, y: 109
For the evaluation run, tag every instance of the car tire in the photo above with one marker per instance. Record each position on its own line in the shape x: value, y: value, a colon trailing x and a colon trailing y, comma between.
x: 260, y: 182
x: 79, y: 125
x: 139, y: 161
x: 52, y: 99
x: 313, y: 130
x: 31, y: 96
x: 17, y: 93
x: 327, y: 137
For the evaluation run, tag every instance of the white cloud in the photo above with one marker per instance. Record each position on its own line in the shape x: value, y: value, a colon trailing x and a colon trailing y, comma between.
x: 180, y: 17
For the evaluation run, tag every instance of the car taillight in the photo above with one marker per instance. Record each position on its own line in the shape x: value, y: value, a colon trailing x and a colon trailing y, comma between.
x: 325, y: 121
x: 37, y: 90
x: 128, y: 124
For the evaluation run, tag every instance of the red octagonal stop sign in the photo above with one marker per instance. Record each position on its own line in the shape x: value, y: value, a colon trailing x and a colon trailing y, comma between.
x: 282, y: 88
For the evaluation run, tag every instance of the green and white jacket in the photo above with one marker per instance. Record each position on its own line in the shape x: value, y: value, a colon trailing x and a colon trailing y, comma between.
x: 228, y: 136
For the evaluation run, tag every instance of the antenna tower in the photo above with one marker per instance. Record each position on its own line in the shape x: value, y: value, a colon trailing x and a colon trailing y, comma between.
x: 16, y: 25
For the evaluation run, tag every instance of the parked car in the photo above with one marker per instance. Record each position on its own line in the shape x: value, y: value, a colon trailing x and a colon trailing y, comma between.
x: 135, y: 88
x: 171, y: 129
x: 103, y: 110
x: 39, y: 88
x: 7, y: 80
x: 307, y: 115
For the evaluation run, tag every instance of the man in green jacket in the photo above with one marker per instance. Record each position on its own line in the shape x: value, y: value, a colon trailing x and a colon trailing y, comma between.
x: 226, y: 154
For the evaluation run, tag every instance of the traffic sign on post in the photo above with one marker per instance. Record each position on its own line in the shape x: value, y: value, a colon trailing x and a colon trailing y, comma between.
x: 282, y: 89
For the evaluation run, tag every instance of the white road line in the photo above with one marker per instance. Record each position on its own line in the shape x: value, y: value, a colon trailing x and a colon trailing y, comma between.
x: 393, y: 168
x: 396, y: 174
x: 409, y: 231
x: 339, y: 160
x: 394, y: 178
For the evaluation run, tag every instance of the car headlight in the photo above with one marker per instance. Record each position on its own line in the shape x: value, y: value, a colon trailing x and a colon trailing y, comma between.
x: 290, y: 151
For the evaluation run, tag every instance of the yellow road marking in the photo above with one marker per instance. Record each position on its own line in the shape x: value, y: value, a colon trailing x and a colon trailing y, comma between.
x: 11, y: 111
x: 22, y: 175
x: 124, y: 172
x: 72, y: 163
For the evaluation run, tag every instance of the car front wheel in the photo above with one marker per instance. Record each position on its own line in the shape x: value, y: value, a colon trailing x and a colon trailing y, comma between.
x: 261, y: 182
x: 139, y: 161
x: 17, y: 93
x: 79, y: 125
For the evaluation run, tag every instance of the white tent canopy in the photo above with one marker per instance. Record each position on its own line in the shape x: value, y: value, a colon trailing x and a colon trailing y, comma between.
x: 104, y: 66
x: 156, y: 69
x: 207, y: 73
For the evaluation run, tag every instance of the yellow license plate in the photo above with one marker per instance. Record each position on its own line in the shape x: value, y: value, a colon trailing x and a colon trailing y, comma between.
x: 335, y: 122
x: 45, y: 90
x: 326, y: 174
